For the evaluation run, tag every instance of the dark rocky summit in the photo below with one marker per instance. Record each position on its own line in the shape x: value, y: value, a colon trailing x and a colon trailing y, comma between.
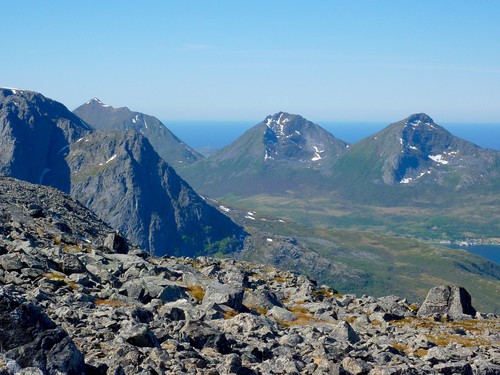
x: 35, y: 134
x: 166, y: 144
x: 90, y: 303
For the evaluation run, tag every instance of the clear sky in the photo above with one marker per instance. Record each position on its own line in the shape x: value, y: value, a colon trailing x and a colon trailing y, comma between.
x: 242, y: 60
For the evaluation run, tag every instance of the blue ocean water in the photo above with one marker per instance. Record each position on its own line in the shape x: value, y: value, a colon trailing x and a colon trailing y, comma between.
x: 491, y: 252
x: 218, y: 134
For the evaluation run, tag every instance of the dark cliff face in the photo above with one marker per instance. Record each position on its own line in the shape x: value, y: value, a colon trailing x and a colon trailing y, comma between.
x: 120, y: 177
x: 35, y: 133
x: 167, y: 145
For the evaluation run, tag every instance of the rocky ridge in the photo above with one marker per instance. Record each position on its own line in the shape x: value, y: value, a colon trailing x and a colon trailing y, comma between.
x: 74, y: 293
x: 166, y: 144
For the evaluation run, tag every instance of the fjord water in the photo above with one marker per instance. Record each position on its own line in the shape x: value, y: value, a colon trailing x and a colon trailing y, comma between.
x: 491, y: 252
x: 217, y: 134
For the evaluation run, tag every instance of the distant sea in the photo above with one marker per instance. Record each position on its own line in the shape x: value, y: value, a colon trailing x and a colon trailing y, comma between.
x: 217, y: 134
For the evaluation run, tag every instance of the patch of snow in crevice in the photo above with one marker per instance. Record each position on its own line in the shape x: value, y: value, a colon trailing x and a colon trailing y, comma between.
x: 269, y: 239
x: 145, y: 123
x: 413, y: 147
x: 317, y: 153
x: 400, y: 141
x: 111, y: 158
x: 405, y: 180
x: 40, y: 182
x: 296, y: 131
x: 249, y: 217
x: 438, y: 159
x: 224, y: 208
x: 79, y: 140
x: 281, y: 221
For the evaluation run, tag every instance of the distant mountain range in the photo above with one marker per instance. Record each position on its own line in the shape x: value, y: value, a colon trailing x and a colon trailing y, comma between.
x: 286, y: 153
x: 166, y: 144
x: 117, y: 174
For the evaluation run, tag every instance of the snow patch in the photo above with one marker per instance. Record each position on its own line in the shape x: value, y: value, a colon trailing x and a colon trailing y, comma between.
x: 405, y: 180
x: 269, y: 239
x: 413, y: 148
x: 438, y: 159
x: 296, y: 131
x: 249, y: 217
x: 401, y: 141
x: 317, y: 153
x: 224, y: 208
x: 111, y: 158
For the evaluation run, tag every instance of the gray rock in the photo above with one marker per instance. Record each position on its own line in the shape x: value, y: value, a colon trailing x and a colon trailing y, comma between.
x: 344, y: 332
x: 452, y: 368
x: 261, y: 299
x: 116, y: 243
x: 222, y: 294
x: 280, y: 313
x: 11, y: 262
x: 33, y: 340
x: 355, y: 366
x: 451, y: 300
x: 138, y: 335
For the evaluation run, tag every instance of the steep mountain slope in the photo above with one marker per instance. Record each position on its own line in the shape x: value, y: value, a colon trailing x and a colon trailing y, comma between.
x: 167, y: 145
x: 35, y: 133
x: 414, y: 156
x: 283, y: 152
x: 120, y: 177
x: 138, y: 193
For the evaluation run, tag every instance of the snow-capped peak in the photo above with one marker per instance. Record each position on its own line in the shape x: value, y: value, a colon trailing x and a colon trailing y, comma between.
x: 97, y: 101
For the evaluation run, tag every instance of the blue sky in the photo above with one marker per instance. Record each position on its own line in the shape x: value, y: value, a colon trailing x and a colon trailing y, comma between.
x: 242, y: 60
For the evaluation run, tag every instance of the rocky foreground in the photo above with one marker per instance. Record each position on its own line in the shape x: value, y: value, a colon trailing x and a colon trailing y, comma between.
x: 76, y: 298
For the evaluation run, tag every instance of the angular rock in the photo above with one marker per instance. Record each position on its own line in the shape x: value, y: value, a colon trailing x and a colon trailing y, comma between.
x: 33, y: 340
x: 450, y: 300
x: 222, y: 294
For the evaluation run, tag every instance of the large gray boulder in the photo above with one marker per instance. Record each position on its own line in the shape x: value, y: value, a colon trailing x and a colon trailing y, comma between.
x: 452, y: 301
x: 31, y: 339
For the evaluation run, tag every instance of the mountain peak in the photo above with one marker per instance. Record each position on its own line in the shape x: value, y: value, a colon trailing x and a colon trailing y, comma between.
x: 419, y: 118
x: 97, y: 101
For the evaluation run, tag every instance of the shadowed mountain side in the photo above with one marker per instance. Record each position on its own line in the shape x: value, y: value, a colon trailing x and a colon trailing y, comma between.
x: 35, y: 133
x: 120, y: 177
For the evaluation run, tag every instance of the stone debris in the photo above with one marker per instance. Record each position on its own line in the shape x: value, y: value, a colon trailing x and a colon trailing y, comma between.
x: 72, y: 302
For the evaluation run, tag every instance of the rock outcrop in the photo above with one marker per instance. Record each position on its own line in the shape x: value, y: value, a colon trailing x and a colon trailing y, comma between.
x: 447, y: 301
x: 101, y: 309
